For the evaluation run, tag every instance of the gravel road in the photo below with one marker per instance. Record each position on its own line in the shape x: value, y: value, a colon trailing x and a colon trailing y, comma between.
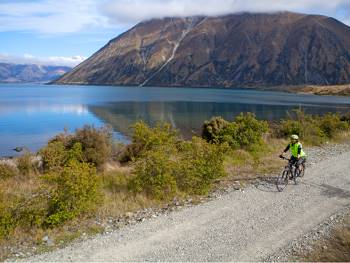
x: 246, y: 225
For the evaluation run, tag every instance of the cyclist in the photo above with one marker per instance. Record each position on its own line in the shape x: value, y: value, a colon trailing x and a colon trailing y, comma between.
x: 296, y: 149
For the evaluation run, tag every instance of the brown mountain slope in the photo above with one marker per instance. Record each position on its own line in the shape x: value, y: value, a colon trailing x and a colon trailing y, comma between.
x: 227, y: 51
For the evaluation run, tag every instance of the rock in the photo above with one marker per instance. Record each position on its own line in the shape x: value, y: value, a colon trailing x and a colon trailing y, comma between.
x: 47, y: 240
x: 129, y: 214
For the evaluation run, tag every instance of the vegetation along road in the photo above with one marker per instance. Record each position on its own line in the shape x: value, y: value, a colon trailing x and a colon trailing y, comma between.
x: 240, y: 225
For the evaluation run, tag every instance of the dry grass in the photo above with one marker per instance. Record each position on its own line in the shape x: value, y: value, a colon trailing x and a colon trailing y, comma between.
x: 341, y: 90
x: 20, y: 185
x: 343, y: 137
x: 334, y: 249
x: 263, y: 161
x: 24, y: 240
x: 118, y: 199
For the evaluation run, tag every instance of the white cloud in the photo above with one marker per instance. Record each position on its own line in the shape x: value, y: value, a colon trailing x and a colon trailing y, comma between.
x: 51, y: 16
x: 69, y: 16
x: 133, y: 11
x: 52, y: 61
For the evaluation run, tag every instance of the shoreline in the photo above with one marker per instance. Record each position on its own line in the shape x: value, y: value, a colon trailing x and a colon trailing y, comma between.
x: 341, y: 90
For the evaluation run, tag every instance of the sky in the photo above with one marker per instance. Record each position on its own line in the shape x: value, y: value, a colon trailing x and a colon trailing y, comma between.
x: 65, y: 32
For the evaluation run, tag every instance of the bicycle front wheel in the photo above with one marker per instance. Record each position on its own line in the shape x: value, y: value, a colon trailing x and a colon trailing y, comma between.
x: 282, y: 180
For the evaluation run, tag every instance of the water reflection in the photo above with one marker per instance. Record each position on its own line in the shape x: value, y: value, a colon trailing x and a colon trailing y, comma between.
x: 32, y: 125
x: 189, y: 116
x: 33, y: 108
x: 31, y: 114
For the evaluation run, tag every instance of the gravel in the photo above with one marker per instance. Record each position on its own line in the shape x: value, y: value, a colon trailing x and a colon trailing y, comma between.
x: 305, y: 244
x: 252, y: 224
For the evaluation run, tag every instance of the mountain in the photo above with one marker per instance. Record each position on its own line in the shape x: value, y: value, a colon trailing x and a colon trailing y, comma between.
x: 227, y: 51
x: 30, y: 73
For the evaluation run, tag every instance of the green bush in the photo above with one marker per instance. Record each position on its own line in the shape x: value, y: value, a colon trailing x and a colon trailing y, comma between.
x: 331, y: 124
x: 312, y: 129
x: 189, y: 167
x: 54, y: 156
x: 289, y: 127
x: 96, y: 144
x: 28, y: 211
x: 212, y: 129
x: 244, y: 132
x: 7, y: 171
x: 96, y: 147
x: 75, y: 191
x: 199, y: 165
x: 155, y: 174
x: 7, y: 222
x: 146, y: 138
x: 249, y: 130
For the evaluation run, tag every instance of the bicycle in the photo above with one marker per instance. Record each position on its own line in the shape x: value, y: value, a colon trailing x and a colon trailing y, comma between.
x: 290, y: 172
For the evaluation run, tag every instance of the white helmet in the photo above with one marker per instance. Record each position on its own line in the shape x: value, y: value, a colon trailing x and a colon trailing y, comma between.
x: 294, y: 137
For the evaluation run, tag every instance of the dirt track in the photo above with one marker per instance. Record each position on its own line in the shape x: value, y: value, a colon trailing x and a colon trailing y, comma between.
x: 239, y: 226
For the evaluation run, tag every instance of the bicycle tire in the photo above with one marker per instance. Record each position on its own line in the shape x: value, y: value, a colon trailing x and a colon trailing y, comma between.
x: 282, y: 180
x: 296, y: 175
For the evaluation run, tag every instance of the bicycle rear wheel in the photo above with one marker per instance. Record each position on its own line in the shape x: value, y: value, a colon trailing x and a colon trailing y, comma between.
x: 282, y: 180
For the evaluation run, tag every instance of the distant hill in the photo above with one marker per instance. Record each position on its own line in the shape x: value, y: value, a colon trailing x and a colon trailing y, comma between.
x: 227, y: 51
x: 12, y: 73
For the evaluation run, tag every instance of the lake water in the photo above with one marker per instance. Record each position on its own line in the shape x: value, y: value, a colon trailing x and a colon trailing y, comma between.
x: 30, y: 114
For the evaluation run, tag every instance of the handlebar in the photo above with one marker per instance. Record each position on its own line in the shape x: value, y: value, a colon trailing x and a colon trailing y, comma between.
x: 284, y: 158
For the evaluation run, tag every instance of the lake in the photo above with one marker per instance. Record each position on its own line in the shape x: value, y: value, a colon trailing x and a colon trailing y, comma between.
x: 30, y: 114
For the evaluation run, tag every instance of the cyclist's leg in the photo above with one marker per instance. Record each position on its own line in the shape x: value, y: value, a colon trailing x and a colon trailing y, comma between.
x: 294, y: 161
x: 301, y: 163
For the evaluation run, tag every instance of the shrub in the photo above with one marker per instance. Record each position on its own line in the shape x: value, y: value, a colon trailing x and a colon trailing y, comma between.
x: 155, y: 174
x: 146, y: 138
x: 75, y: 192
x: 249, y: 130
x: 54, y: 156
x: 7, y: 171
x: 244, y: 132
x: 312, y: 129
x: 199, y: 165
x: 289, y: 127
x: 29, y: 211
x: 331, y: 124
x: 345, y: 117
x: 26, y: 212
x: 25, y: 164
x: 190, y: 167
x: 130, y: 152
x: 212, y: 129
x: 96, y: 144
x: 7, y: 222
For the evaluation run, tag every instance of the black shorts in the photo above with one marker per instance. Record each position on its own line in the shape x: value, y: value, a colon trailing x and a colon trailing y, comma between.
x: 299, y: 161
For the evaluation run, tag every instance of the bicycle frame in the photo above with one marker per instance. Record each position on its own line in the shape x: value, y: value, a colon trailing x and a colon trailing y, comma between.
x: 291, y: 166
x: 289, y: 172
